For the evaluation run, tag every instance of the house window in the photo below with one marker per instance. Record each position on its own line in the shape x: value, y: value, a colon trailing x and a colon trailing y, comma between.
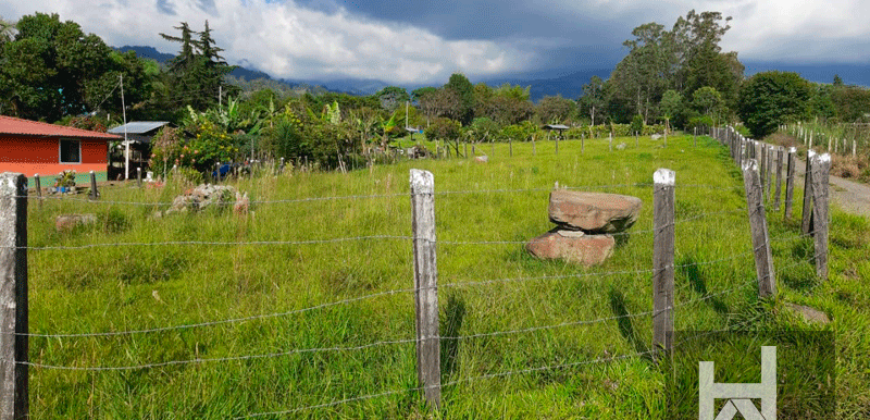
x: 70, y: 151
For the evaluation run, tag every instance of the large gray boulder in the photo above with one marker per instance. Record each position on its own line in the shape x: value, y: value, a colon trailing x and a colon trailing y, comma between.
x: 572, y: 246
x: 593, y: 212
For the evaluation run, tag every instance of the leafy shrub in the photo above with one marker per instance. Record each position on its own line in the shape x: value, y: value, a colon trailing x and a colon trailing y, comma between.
x: 637, y: 124
x: 113, y: 220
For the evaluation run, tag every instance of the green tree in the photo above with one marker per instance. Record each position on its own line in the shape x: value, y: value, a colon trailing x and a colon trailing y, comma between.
x: 671, y: 106
x: 391, y: 97
x: 447, y: 130
x: 594, y: 99
x: 772, y: 98
x: 555, y: 109
x: 707, y: 100
x: 465, y: 93
x: 51, y: 68
x: 837, y: 80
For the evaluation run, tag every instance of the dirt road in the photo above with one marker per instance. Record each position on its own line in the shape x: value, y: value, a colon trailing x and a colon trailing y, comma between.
x: 851, y: 196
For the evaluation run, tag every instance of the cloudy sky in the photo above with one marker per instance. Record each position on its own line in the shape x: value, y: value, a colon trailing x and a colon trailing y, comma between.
x: 409, y: 42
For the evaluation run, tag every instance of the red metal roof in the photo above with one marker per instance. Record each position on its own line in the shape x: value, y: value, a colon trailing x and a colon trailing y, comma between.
x: 11, y: 125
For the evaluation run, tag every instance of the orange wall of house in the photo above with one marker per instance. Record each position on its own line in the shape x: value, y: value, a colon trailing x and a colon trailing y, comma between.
x: 32, y: 156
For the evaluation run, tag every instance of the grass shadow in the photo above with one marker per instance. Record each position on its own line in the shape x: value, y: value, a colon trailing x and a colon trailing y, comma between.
x: 626, y: 327
x: 454, y: 314
x: 689, y: 269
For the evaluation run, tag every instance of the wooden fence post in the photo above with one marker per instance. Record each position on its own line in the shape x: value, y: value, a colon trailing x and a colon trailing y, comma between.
x: 789, y: 182
x: 511, y: 147
x: 13, y: 297
x: 763, y: 168
x: 466, y: 150
x: 610, y: 141
x: 426, y: 285
x: 821, y: 167
x: 663, y: 259
x: 777, y: 195
x: 696, y: 136
x: 636, y: 142
x: 758, y: 224
x: 807, y: 215
x: 534, y: 150
x: 94, y: 193
x: 139, y: 176
x: 557, y: 145
x: 38, y: 190
x: 582, y: 143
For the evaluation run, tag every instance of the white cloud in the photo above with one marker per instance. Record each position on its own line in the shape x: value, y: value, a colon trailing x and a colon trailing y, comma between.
x: 287, y: 40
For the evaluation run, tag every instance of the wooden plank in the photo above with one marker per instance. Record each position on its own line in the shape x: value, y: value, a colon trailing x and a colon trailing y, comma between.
x: 758, y: 225
x: 821, y: 167
x: 426, y: 285
x: 663, y: 259
x: 13, y: 297
x: 789, y: 182
x: 807, y: 215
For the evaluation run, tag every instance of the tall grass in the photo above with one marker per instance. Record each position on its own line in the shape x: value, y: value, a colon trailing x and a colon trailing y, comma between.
x: 121, y: 287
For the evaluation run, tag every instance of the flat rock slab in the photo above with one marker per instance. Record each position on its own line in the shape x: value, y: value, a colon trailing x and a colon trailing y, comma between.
x: 68, y: 222
x: 571, y: 247
x: 809, y: 314
x: 594, y: 212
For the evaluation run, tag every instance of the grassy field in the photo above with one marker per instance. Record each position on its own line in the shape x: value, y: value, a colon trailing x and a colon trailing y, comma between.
x: 148, y: 285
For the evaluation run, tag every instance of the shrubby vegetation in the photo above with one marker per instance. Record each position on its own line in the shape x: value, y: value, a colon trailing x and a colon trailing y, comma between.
x: 677, y: 78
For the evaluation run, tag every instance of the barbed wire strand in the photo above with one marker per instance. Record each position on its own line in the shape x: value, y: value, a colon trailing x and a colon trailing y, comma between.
x: 216, y: 243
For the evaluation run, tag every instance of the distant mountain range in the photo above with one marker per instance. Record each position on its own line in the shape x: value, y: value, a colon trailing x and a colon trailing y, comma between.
x: 569, y: 84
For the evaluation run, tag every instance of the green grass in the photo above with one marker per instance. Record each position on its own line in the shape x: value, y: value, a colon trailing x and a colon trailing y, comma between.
x: 141, y: 287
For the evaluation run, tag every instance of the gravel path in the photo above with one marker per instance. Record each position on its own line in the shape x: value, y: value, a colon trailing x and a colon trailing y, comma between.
x: 851, y: 196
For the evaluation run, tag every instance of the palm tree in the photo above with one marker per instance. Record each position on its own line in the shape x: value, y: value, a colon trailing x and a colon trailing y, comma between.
x: 7, y: 31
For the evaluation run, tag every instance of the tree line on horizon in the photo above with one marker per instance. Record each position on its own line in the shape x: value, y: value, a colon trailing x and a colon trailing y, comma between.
x: 52, y: 71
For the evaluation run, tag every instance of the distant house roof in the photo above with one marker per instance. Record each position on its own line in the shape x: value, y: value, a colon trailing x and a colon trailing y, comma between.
x: 18, y: 126
x: 555, y: 127
x: 138, y: 127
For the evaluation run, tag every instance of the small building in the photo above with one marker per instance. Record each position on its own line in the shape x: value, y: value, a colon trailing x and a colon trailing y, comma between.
x: 139, y: 134
x: 31, y: 148
x: 555, y: 127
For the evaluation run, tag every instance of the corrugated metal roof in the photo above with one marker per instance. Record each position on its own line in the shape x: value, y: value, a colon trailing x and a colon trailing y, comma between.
x: 12, y: 125
x: 138, y: 127
x: 556, y: 127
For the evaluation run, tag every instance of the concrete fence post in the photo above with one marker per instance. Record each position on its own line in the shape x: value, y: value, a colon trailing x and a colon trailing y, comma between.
x: 426, y: 285
x: 13, y: 298
x: 663, y: 260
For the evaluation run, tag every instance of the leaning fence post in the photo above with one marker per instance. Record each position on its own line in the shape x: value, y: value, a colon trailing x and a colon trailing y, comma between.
x: 789, y: 182
x: 758, y: 224
x: 13, y: 296
x: 94, y: 193
x: 663, y: 259
x: 807, y: 215
x: 426, y: 285
x: 821, y: 167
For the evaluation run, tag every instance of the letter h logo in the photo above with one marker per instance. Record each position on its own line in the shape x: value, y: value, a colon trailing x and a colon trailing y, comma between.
x: 739, y: 395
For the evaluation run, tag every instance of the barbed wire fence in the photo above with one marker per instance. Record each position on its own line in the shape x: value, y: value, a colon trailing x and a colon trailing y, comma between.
x: 14, y: 334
